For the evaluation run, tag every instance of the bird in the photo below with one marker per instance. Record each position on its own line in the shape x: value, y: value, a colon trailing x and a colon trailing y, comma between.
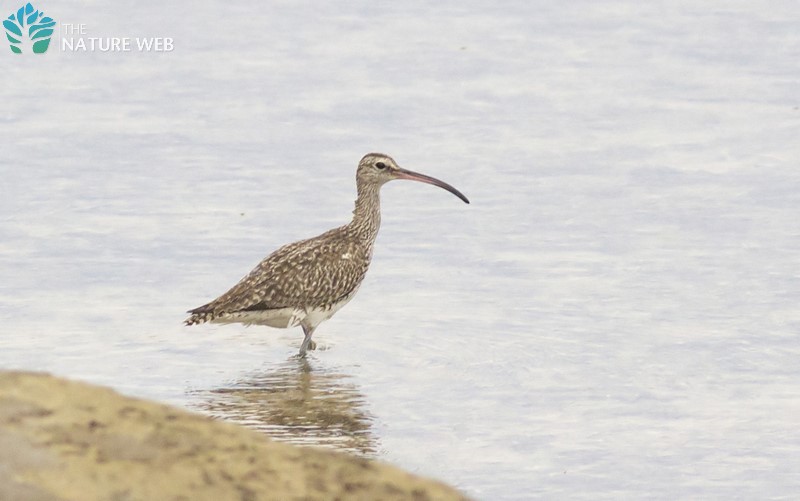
x: 306, y: 282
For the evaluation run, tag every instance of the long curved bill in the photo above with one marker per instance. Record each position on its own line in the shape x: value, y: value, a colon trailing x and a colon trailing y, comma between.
x: 416, y: 176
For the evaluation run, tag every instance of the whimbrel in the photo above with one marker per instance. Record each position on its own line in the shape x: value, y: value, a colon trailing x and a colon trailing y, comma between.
x: 304, y: 283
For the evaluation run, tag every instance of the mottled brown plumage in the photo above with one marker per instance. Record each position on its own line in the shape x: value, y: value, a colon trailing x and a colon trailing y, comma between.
x: 306, y: 282
x: 308, y: 273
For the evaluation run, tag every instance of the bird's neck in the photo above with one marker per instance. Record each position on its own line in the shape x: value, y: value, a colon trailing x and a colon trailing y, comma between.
x: 367, y: 214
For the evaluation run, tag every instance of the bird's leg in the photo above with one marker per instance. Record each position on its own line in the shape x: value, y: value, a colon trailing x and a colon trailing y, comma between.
x: 308, y: 344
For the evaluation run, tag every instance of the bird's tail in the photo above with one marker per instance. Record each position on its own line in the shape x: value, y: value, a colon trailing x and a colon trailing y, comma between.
x: 200, y: 315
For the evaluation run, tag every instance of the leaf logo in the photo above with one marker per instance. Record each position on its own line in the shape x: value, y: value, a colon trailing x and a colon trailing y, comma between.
x: 29, y: 29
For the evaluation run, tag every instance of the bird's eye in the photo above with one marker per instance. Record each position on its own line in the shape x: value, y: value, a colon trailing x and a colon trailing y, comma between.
x: 380, y: 165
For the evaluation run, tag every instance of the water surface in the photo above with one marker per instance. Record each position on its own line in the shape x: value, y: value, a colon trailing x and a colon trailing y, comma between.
x: 614, y: 316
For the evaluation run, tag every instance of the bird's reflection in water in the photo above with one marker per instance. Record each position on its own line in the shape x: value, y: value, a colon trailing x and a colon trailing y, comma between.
x: 298, y: 403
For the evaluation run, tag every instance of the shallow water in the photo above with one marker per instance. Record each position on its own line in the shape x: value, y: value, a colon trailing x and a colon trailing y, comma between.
x: 614, y: 316
x: 297, y: 403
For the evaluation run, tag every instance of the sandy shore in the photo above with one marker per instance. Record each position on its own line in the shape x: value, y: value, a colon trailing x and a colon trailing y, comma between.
x: 64, y: 440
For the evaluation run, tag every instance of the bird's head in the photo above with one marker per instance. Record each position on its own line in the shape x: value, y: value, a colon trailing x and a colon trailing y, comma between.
x: 378, y: 169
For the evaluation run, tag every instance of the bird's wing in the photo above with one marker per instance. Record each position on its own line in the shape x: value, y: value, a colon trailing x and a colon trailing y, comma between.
x: 314, y: 272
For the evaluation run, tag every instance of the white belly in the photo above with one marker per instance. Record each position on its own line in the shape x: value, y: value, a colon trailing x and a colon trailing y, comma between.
x: 283, y: 318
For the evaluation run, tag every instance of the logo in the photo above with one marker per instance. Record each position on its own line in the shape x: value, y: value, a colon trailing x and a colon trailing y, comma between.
x: 29, y: 30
